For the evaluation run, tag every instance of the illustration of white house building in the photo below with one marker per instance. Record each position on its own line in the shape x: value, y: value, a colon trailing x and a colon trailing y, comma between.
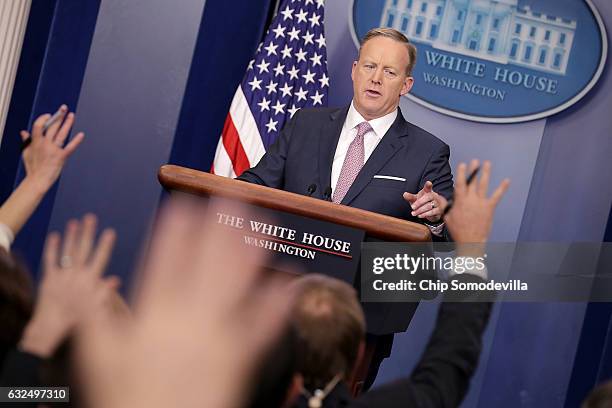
x: 495, y: 30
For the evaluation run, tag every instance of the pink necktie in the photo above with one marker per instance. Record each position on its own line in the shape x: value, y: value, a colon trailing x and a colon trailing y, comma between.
x: 353, y: 162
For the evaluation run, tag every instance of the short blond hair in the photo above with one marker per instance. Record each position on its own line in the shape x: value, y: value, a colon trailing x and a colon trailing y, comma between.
x: 394, y: 35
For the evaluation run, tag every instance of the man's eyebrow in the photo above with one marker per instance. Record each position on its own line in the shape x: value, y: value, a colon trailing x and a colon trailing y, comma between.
x: 391, y: 67
x: 370, y: 62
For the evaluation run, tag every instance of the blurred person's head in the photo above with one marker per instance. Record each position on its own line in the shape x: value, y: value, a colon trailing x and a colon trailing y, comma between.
x: 16, y: 301
x: 600, y: 397
x: 330, y: 326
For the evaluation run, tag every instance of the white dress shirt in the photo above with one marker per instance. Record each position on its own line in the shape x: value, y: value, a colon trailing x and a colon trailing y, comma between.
x: 380, y: 126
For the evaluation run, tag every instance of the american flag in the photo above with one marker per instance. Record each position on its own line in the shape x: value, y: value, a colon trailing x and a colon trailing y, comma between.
x: 288, y: 72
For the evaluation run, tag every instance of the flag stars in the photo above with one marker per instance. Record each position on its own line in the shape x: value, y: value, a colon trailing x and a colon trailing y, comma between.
x: 308, y: 77
x: 294, y: 34
x: 324, y: 80
x: 263, y: 66
x: 301, y: 55
x: 301, y: 16
x: 293, y: 110
x: 293, y: 73
x: 271, y: 125
x: 286, y: 51
x: 278, y: 108
x: 308, y: 38
x: 271, y: 87
x: 255, y: 84
x: 289, y: 69
x: 301, y: 94
x: 317, y: 98
x: 264, y: 105
x: 286, y: 89
x: 320, y: 41
x: 271, y: 48
x: 287, y: 13
x: 279, y: 31
x: 314, y: 19
x: 279, y: 69
x: 316, y: 59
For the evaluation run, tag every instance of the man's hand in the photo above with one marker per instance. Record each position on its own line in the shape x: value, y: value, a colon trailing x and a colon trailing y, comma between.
x: 426, y: 203
x: 203, y: 315
x: 471, y: 217
x: 72, y: 282
x: 44, y: 158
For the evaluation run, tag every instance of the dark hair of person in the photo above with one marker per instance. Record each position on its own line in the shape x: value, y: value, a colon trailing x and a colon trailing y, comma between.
x: 16, y: 301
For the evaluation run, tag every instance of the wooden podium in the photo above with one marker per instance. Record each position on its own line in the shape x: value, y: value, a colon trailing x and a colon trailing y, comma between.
x: 382, y: 318
x: 176, y: 178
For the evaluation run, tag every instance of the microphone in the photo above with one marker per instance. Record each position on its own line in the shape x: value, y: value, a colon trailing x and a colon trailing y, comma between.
x: 327, y: 194
x: 311, y: 189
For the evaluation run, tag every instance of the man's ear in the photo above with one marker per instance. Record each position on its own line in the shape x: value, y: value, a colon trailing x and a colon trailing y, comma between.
x: 353, y: 68
x: 407, y: 86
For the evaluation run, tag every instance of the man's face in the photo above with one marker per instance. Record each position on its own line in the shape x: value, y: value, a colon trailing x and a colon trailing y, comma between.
x: 379, y: 77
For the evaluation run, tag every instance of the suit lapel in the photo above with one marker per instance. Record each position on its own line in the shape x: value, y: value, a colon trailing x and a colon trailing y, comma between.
x: 328, y: 140
x: 386, y: 149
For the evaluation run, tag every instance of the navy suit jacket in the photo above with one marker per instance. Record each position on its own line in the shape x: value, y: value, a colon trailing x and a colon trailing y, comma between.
x: 304, y: 151
x: 303, y: 156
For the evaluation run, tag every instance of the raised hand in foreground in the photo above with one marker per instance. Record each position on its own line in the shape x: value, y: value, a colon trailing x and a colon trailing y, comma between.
x: 202, y: 317
x: 471, y: 217
x: 43, y: 158
x: 46, y: 154
x: 72, y: 283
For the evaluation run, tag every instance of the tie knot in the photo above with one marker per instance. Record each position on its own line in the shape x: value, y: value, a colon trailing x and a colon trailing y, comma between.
x: 363, y: 128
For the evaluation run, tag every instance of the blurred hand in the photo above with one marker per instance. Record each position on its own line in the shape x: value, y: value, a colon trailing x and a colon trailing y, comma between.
x: 426, y: 203
x: 202, y: 317
x: 46, y: 154
x: 72, y: 282
x: 471, y: 217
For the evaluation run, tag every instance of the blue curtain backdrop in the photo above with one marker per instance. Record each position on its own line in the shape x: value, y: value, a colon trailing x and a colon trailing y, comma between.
x: 24, y: 90
x: 47, y: 77
x: 217, y: 68
x: 593, y: 362
x: 78, y: 52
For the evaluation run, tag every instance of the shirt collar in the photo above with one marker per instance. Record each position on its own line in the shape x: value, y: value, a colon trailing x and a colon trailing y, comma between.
x: 379, y: 125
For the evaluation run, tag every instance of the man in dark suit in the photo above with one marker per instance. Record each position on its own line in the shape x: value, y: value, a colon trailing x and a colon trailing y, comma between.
x: 366, y: 155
